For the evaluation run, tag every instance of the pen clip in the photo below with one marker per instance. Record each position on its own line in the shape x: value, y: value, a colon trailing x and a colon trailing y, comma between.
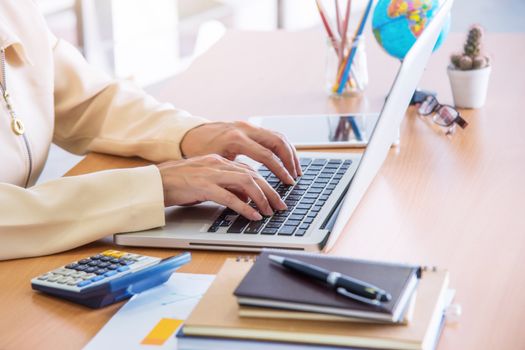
x: 356, y: 297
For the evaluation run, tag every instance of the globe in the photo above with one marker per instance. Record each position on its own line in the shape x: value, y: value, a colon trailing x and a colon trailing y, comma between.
x: 398, y: 23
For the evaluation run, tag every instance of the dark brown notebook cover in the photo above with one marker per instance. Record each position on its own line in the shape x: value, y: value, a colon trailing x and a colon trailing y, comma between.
x: 269, y: 281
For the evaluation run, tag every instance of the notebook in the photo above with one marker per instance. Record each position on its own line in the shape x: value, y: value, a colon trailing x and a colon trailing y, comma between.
x: 266, y: 312
x: 216, y: 316
x: 270, y: 285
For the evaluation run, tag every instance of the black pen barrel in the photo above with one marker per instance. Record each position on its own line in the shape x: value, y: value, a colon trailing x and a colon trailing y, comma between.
x: 306, y: 269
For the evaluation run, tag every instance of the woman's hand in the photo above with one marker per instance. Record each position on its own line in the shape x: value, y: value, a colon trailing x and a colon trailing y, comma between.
x: 230, y: 139
x: 214, y: 178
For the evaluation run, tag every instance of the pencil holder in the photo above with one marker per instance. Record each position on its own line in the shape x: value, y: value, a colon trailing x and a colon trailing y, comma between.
x: 346, y: 67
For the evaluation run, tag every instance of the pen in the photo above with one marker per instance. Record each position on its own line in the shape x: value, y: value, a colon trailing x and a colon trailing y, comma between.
x: 345, y: 285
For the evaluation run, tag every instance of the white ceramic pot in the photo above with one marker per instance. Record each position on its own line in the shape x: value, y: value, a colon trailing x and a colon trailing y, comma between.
x: 469, y: 87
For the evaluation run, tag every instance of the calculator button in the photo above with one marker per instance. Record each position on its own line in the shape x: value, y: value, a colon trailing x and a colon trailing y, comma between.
x: 72, y: 266
x: 132, y: 256
x: 101, y: 271
x: 110, y: 273
x: 60, y: 271
x: 106, y: 258
x: 97, y: 278
x: 126, y: 262
x: 84, y: 261
x: 94, y: 263
x: 88, y: 276
x: 91, y: 269
x: 103, y: 264
x: 109, y: 252
x: 115, y: 261
x: 118, y: 254
x: 84, y: 283
x: 113, y: 267
x: 53, y: 278
x: 73, y: 282
x: 123, y: 268
x: 44, y: 277
x: 62, y: 280
x: 81, y: 267
x: 96, y: 257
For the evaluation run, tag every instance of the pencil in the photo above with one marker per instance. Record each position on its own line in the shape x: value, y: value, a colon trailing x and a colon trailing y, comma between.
x: 338, y: 18
x: 353, y: 51
x: 326, y: 25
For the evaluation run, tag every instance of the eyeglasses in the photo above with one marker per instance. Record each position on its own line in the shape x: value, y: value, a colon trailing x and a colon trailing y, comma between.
x: 443, y: 115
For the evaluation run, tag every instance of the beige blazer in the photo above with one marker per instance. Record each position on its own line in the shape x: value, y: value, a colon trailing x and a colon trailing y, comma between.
x: 61, y: 99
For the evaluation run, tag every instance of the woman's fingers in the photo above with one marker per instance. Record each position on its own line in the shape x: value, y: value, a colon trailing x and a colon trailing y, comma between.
x: 263, y: 155
x: 273, y: 197
x: 228, y: 199
x: 280, y: 146
x: 246, y: 183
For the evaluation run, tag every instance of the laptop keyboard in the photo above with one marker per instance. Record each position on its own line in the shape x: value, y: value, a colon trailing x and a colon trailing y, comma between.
x: 304, y: 200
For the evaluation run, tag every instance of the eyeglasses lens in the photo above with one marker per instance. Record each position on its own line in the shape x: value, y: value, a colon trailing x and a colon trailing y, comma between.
x: 428, y: 105
x: 445, y: 116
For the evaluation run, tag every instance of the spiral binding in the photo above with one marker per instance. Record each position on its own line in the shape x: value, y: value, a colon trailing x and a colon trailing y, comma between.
x: 246, y: 258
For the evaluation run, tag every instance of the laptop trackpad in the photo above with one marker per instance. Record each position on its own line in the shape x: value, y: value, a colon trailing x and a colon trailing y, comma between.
x: 203, y: 213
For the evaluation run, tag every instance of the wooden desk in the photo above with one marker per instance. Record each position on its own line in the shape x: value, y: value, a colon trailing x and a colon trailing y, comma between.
x: 452, y: 202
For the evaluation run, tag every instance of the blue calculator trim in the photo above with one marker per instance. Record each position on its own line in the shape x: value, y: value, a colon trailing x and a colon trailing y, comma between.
x: 121, y: 288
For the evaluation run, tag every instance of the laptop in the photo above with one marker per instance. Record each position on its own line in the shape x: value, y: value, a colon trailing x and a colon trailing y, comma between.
x: 322, y: 200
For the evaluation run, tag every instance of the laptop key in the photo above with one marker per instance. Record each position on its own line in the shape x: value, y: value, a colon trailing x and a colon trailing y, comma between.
x: 305, y: 161
x: 291, y: 222
x: 296, y: 217
x: 297, y: 192
x: 287, y: 230
x: 300, y: 232
x: 274, y: 224
x: 277, y: 219
x: 300, y: 211
x: 238, y: 225
x: 213, y: 228
x: 254, y: 227
x: 316, y: 208
x: 269, y: 231
x: 304, y: 226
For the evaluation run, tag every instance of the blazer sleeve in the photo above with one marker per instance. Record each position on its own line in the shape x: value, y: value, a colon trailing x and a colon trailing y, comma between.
x: 95, y: 113
x: 71, y: 211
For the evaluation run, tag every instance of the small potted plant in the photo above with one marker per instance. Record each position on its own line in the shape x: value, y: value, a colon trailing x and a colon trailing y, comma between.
x: 469, y: 72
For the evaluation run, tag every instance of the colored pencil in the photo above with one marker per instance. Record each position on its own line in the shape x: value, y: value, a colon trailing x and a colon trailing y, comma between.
x: 326, y: 25
x: 338, y: 19
x: 343, y: 38
x: 345, y: 24
x: 353, y: 51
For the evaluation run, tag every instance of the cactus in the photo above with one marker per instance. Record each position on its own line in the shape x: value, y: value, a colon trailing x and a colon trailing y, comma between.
x: 472, y: 57
x: 465, y: 63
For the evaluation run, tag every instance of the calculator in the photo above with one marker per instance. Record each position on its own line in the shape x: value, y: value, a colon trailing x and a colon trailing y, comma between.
x: 108, y: 277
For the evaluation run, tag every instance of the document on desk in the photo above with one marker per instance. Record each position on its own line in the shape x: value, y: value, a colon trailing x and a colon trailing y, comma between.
x: 150, y: 319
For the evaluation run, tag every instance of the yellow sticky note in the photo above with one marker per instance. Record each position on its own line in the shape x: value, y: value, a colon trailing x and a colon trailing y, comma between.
x: 162, y: 331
